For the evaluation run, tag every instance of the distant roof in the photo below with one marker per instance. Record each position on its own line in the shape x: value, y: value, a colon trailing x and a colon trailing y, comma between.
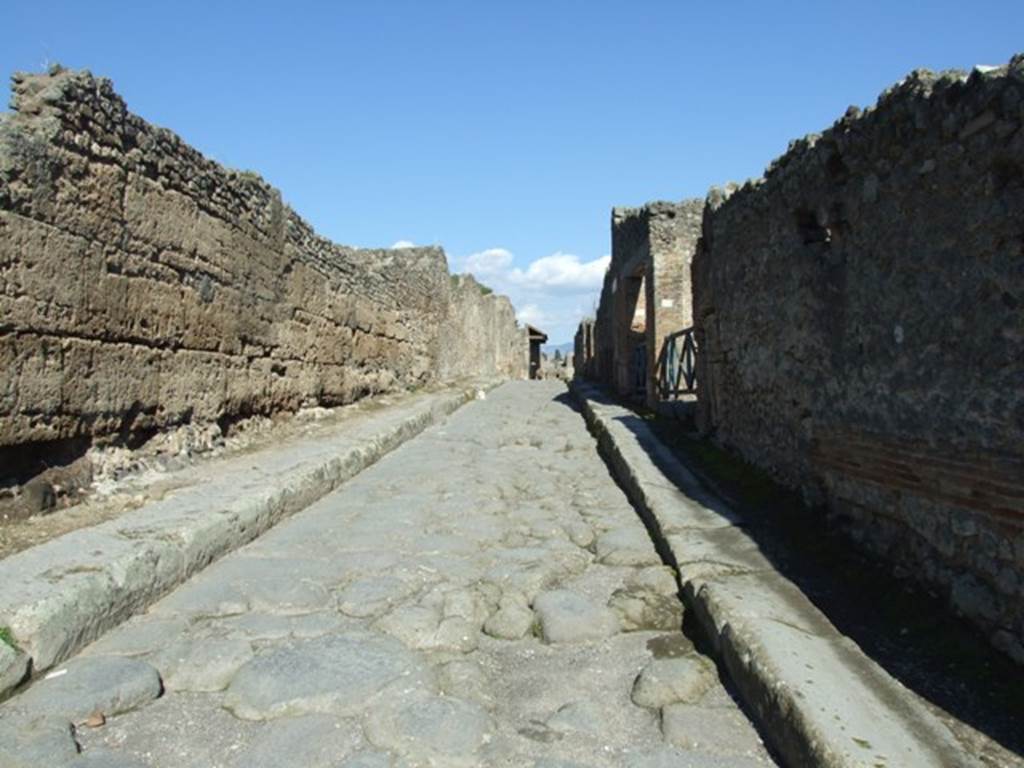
x: 536, y: 334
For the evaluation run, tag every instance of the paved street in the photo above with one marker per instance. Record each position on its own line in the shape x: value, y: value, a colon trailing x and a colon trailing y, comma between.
x: 484, y: 595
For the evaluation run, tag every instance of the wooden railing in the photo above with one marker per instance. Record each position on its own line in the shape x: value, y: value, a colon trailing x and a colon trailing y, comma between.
x: 677, y: 365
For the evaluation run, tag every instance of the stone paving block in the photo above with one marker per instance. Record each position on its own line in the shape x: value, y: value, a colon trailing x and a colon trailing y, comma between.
x: 309, y: 741
x: 640, y: 608
x: 139, y: 636
x: 577, y: 717
x: 626, y: 546
x: 106, y: 684
x: 465, y: 679
x: 368, y: 760
x: 107, y: 759
x: 178, y: 730
x: 677, y: 757
x: 425, y: 627
x: 431, y: 729
x: 372, y: 596
x: 513, y: 619
x: 669, y: 681
x: 34, y: 740
x: 206, y: 664
x: 716, y: 732
x: 339, y: 674
x: 255, y: 626
x: 565, y: 617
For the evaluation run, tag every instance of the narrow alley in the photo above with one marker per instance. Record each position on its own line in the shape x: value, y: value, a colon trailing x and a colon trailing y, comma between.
x: 483, y: 595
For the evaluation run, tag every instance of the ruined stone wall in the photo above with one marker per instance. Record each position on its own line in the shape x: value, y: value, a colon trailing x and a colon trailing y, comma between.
x: 646, y: 293
x: 583, y: 350
x: 673, y: 230
x: 143, y: 285
x: 602, y: 367
x: 860, y: 315
x: 480, y: 336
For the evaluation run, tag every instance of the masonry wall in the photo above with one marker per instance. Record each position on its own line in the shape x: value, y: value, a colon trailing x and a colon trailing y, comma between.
x: 143, y: 285
x: 480, y: 335
x: 860, y: 315
x: 646, y: 293
x: 583, y: 350
x: 673, y: 232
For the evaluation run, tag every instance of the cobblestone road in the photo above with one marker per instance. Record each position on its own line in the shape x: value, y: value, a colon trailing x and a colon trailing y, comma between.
x: 484, y: 595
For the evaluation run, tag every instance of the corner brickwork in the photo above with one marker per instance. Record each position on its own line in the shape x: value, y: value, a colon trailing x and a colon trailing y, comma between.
x: 859, y: 318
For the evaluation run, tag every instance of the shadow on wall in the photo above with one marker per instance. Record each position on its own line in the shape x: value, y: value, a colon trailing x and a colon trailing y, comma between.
x: 907, y: 632
x: 858, y: 312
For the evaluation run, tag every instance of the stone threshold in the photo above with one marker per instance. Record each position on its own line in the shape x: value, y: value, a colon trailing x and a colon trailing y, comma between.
x: 61, y: 595
x: 817, y: 698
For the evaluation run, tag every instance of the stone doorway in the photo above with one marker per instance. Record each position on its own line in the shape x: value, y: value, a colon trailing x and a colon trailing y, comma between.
x: 631, y: 331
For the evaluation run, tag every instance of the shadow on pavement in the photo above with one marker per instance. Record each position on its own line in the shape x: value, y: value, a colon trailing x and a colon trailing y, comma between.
x: 909, y: 632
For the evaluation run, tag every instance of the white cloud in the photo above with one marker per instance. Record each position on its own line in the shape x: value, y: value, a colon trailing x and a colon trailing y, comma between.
x: 489, y: 262
x: 532, y: 314
x: 404, y: 244
x: 551, y: 293
x: 562, y: 271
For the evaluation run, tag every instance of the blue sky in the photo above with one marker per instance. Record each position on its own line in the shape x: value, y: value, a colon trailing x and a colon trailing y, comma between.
x: 504, y: 131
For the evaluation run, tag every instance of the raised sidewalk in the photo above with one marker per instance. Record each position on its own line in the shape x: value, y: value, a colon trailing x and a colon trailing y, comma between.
x: 58, y: 596
x: 818, y: 698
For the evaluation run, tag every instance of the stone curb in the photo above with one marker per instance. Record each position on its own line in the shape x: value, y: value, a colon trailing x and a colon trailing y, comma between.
x: 63, y: 594
x: 818, y: 699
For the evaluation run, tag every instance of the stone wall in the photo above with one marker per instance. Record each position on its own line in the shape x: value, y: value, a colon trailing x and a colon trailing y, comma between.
x: 143, y: 285
x: 584, y: 363
x: 480, y: 334
x: 860, y: 315
x: 646, y: 293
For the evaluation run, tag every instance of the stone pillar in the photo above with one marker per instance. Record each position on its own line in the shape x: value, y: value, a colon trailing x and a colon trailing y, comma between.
x: 673, y: 231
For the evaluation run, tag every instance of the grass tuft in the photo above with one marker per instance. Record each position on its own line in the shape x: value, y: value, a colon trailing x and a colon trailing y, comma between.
x: 7, y: 637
